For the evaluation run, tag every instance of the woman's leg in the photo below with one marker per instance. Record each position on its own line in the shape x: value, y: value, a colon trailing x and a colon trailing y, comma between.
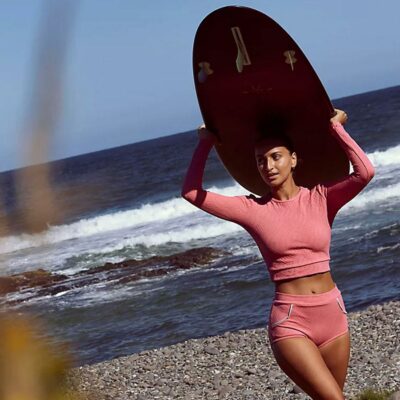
x: 336, y: 355
x: 302, y: 361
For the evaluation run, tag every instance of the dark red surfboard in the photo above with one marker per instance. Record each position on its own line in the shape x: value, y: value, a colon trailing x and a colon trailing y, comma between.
x: 248, y: 71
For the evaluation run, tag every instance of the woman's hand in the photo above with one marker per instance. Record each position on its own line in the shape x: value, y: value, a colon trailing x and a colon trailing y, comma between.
x: 205, y: 134
x: 340, y: 116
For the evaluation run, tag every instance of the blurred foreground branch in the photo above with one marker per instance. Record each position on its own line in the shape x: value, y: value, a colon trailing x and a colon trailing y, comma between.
x: 35, y: 194
x: 32, y: 367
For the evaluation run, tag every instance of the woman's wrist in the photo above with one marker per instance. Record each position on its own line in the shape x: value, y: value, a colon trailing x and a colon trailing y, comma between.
x: 336, y: 124
x: 208, y: 139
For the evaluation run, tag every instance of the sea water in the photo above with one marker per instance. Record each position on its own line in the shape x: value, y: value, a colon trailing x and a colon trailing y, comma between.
x: 124, y: 203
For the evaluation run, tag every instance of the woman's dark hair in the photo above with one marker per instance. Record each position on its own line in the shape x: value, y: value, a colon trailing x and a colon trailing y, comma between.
x: 274, y: 128
x: 279, y: 137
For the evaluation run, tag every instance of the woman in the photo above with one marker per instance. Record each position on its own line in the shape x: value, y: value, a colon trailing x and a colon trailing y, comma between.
x: 307, y: 327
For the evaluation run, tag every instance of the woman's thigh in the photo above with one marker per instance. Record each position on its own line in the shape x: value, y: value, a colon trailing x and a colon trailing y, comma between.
x: 336, y: 355
x: 302, y: 361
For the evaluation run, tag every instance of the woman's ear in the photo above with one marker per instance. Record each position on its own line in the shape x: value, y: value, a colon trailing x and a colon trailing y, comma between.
x: 294, y: 160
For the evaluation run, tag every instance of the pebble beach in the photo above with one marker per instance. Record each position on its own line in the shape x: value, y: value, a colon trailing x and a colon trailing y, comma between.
x: 240, y: 365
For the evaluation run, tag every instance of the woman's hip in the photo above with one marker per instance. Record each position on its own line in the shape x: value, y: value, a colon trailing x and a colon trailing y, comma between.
x: 320, y: 317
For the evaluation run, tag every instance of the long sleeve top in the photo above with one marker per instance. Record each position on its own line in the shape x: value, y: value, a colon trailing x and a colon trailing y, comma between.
x: 293, y: 235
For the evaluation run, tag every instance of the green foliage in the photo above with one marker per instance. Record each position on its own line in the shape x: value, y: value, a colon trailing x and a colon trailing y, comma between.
x: 370, y: 394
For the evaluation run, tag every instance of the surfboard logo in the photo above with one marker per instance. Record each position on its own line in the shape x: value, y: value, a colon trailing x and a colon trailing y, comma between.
x: 257, y: 90
x: 205, y: 71
x: 242, y: 58
x: 290, y: 58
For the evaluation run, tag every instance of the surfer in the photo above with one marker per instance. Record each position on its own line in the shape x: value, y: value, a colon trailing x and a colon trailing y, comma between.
x: 308, y: 327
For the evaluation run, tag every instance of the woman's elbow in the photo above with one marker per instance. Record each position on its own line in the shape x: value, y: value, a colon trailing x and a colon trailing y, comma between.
x: 188, y: 195
x: 194, y: 196
x: 184, y: 193
x: 370, y: 173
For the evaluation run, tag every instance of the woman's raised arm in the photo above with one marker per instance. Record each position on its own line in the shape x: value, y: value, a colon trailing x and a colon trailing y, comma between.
x: 231, y: 208
x: 340, y: 192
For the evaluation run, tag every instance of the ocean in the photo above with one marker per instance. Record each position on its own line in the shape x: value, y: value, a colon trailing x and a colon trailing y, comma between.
x: 125, y: 264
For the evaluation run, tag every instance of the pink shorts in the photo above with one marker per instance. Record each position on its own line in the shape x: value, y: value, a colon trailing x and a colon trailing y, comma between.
x: 319, y: 317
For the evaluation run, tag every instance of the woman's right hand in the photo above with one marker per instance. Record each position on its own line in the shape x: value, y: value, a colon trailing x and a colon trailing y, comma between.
x: 205, y: 134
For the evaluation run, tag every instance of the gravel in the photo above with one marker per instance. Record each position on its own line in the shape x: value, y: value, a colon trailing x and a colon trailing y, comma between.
x: 240, y: 365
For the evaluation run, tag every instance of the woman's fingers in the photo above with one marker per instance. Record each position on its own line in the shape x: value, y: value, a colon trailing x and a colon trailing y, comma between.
x: 204, y: 133
x: 340, y: 116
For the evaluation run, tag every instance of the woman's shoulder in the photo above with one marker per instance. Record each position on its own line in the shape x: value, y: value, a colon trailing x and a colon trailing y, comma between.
x: 318, y: 190
x: 253, y: 199
x: 250, y: 198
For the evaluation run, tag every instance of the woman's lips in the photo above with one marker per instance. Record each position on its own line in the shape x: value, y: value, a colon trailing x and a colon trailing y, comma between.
x: 273, y: 176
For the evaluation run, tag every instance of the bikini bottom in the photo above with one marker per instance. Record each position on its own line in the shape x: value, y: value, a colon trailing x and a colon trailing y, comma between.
x: 319, y: 317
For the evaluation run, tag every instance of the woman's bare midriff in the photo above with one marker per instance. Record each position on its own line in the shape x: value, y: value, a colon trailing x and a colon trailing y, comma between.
x: 311, y: 284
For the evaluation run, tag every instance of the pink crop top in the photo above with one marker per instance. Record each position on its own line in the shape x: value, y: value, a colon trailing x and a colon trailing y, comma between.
x: 293, y: 235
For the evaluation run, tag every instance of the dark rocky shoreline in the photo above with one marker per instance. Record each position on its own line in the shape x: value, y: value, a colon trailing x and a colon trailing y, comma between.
x: 240, y: 365
x: 39, y: 282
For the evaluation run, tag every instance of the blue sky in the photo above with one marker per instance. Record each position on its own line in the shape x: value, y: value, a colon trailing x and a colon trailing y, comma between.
x: 128, y: 73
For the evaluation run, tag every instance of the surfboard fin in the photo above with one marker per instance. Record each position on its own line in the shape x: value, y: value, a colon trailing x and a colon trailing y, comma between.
x: 242, y: 58
x: 290, y: 58
x: 205, y: 70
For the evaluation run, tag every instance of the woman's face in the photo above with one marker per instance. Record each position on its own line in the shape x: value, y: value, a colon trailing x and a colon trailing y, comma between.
x: 274, y: 162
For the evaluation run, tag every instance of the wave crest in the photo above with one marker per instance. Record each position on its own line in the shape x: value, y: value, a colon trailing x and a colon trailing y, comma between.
x: 174, y: 209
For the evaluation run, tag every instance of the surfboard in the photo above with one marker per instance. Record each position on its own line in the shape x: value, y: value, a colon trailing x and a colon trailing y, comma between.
x: 248, y: 72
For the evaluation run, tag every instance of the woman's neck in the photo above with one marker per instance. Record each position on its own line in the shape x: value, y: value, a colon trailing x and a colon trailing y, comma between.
x: 285, y: 191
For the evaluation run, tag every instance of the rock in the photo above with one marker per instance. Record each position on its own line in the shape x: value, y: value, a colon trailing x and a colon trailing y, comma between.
x: 120, y: 273
x: 251, y: 371
x: 297, y: 389
x: 29, y: 279
x: 224, y: 390
x: 166, y: 390
x: 211, y: 350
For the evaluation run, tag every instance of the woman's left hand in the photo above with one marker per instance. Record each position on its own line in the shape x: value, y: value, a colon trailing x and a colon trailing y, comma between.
x: 340, y: 116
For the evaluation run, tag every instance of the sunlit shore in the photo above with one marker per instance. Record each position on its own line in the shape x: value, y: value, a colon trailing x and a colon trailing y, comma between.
x: 240, y: 365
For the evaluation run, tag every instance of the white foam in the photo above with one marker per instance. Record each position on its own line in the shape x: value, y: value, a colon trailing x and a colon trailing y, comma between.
x: 146, y: 214
x: 346, y: 228
x: 250, y: 249
x: 197, y: 232
x: 375, y: 232
x: 377, y: 195
x: 173, y: 209
x: 79, y: 267
x: 386, y: 248
x: 390, y: 156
